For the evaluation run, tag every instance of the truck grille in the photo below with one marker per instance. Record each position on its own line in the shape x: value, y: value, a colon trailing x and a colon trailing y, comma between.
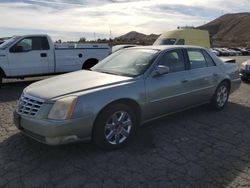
x: 29, y: 105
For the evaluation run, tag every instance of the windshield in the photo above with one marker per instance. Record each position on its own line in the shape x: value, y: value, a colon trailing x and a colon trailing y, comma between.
x: 128, y: 62
x: 8, y: 42
x: 165, y: 41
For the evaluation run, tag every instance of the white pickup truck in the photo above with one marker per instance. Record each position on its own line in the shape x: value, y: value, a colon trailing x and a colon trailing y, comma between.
x: 34, y: 55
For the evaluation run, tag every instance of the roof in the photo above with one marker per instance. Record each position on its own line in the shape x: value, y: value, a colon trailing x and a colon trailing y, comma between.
x: 165, y: 47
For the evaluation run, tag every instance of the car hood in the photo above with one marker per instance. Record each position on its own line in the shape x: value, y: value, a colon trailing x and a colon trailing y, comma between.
x: 71, y: 83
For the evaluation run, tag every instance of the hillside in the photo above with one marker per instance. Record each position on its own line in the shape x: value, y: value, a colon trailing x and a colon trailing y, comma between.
x: 226, y: 31
x: 134, y: 37
x: 229, y: 30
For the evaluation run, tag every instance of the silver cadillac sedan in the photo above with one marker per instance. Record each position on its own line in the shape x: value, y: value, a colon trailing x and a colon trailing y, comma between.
x: 125, y: 90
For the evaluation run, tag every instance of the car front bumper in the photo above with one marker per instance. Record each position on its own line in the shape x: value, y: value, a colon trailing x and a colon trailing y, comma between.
x: 245, y: 73
x: 235, y: 84
x: 53, y: 132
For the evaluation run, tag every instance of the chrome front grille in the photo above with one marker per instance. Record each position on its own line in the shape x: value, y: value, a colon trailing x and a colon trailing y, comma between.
x: 29, y: 105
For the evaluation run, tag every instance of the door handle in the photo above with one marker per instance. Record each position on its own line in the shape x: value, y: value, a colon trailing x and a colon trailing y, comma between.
x: 43, y: 55
x: 215, y: 74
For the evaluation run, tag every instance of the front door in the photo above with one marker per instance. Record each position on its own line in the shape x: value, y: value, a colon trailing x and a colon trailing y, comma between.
x: 29, y: 56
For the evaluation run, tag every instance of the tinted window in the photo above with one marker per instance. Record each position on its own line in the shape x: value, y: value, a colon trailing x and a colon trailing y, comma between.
x: 40, y: 43
x: 45, y: 43
x: 174, y: 60
x: 196, y: 58
x: 209, y: 60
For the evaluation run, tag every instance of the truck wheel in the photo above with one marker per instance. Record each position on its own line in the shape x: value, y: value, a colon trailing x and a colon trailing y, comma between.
x: 220, y: 97
x: 89, y: 63
x: 115, y: 127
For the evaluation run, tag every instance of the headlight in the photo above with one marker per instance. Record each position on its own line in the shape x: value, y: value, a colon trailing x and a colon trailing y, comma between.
x: 243, y: 66
x: 63, y: 108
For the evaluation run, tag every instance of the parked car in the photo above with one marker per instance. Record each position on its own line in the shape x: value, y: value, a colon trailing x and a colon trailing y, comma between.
x: 242, y: 51
x: 126, y: 89
x: 215, y: 52
x: 237, y: 53
x: 245, y: 71
x: 32, y: 55
x: 222, y: 52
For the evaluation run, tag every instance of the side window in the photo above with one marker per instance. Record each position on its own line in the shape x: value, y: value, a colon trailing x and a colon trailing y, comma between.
x: 31, y: 43
x: 209, y: 60
x: 26, y: 44
x: 40, y: 43
x: 196, y: 58
x: 174, y: 60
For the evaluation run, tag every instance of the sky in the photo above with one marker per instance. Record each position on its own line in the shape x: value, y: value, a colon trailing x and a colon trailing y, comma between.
x: 93, y: 19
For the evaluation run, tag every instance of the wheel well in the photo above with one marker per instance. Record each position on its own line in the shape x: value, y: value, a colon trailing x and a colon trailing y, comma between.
x: 2, y: 72
x: 131, y: 103
x: 89, y: 63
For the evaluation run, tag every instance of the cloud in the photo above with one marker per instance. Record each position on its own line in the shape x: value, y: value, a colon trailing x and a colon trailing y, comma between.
x: 75, y: 18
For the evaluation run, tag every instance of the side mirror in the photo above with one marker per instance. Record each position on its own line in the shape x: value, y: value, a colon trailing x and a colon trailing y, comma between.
x: 16, y: 49
x: 160, y: 70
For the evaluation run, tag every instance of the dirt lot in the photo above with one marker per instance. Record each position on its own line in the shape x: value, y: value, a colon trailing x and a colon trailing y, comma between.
x: 195, y: 148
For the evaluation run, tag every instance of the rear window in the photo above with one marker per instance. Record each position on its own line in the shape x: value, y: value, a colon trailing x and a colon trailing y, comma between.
x: 40, y: 43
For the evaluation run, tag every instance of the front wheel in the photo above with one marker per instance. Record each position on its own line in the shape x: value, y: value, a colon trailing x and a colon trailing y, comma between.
x: 221, y: 95
x: 115, y: 127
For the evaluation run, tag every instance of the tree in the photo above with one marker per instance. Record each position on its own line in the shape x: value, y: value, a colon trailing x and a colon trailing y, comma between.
x: 82, y: 39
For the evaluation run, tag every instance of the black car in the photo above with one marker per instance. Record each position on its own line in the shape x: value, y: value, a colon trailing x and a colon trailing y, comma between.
x: 243, y: 51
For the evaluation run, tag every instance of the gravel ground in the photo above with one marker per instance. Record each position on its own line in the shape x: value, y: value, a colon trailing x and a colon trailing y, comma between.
x: 195, y: 148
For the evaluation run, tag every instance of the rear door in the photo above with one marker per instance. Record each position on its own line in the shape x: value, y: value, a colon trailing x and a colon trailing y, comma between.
x: 167, y: 93
x: 32, y: 57
x: 203, y: 75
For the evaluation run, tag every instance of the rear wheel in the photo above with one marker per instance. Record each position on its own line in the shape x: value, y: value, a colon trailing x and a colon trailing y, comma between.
x: 89, y: 64
x: 221, y: 95
x: 115, y: 127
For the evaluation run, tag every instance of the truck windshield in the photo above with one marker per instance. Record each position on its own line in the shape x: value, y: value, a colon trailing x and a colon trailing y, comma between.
x: 128, y: 62
x: 166, y: 41
x: 8, y: 42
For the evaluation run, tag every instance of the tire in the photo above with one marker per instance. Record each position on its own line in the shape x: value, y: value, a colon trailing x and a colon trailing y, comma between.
x: 221, y: 96
x: 87, y: 65
x: 115, y: 127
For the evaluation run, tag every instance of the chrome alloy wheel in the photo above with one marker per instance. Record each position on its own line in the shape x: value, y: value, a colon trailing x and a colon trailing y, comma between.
x: 222, y: 96
x: 118, y: 127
